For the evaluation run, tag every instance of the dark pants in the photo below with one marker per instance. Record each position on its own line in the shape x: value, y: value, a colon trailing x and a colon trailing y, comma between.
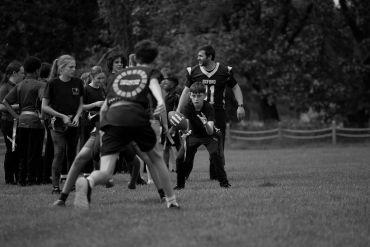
x: 65, y: 148
x: 48, y: 156
x: 11, y: 158
x: 185, y: 159
x: 220, y: 123
x: 30, y: 151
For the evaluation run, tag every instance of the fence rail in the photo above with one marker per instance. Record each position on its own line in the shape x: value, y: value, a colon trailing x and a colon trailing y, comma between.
x: 280, y: 133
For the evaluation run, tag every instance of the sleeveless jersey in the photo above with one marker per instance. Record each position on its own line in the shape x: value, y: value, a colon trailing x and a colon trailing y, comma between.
x: 215, y: 82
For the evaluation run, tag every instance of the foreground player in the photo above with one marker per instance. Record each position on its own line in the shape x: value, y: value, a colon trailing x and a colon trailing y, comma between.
x: 124, y: 119
x: 200, y: 115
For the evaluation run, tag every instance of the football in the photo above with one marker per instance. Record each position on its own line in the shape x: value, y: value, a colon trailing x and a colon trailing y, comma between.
x: 178, y: 120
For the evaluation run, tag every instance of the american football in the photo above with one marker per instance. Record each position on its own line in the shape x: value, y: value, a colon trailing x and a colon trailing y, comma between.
x: 178, y: 120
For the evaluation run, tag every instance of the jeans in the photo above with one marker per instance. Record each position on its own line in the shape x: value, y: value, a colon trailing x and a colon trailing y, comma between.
x: 65, y: 148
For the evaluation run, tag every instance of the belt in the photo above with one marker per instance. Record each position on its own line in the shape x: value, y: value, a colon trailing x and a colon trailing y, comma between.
x: 29, y: 113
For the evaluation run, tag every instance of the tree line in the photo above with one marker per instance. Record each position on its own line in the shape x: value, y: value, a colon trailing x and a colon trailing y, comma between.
x: 300, y: 53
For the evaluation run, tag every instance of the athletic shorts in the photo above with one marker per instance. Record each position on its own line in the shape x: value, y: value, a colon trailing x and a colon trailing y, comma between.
x: 116, y: 138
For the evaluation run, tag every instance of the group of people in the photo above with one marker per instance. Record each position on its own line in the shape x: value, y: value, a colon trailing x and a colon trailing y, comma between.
x: 121, y: 115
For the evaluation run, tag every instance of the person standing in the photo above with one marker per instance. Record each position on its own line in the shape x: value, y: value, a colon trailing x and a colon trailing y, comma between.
x: 28, y: 94
x: 63, y: 100
x: 215, y: 77
x: 125, y: 118
x: 14, y: 74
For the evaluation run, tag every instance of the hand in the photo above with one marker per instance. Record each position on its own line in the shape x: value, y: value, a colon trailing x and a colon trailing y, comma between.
x: 186, y: 134
x: 66, y: 119
x: 75, y: 121
x: 202, y: 118
x: 159, y: 109
x: 240, y: 112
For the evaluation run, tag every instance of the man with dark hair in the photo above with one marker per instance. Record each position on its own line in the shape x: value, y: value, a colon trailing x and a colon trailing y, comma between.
x: 125, y: 119
x: 30, y: 131
x: 200, y: 115
x: 215, y: 77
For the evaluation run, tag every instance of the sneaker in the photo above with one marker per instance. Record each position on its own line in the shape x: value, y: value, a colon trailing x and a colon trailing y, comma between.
x: 56, y: 190
x: 109, y: 184
x: 131, y: 186
x: 225, y: 184
x: 178, y: 187
x: 173, y: 205
x: 59, y: 203
x: 141, y: 181
x: 82, y: 197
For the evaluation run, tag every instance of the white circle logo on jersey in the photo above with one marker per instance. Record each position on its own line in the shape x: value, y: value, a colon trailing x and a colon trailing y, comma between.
x: 130, y: 83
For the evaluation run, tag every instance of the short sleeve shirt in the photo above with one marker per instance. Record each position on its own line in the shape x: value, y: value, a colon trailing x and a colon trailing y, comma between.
x: 27, y: 94
x: 64, y: 97
x: 215, y: 82
x: 196, y: 125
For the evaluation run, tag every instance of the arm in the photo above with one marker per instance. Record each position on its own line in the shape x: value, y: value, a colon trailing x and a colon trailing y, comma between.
x: 47, y: 109
x: 87, y: 107
x: 78, y: 113
x: 157, y: 93
x: 10, y: 109
x: 208, y: 125
x: 240, y: 112
x: 183, y: 99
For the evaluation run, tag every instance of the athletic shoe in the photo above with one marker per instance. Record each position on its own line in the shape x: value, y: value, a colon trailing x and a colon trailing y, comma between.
x: 56, y: 190
x: 83, y: 191
x: 178, y: 187
x: 59, y: 203
x: 131, y: 186
x: 141, y: 181
x: 109, y: 184
x: 173, y: 205
x: 225, y: 184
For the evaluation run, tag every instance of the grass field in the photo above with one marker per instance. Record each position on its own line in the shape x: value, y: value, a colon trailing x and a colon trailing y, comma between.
x: 279, y: 197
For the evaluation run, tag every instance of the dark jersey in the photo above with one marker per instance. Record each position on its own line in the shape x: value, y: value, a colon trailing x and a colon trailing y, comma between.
x: 28, y: 94
x: 92, y: 95
x: 196, y: 125
x: 131, y: 85
x: 64, y: 97
x: 215, y: 82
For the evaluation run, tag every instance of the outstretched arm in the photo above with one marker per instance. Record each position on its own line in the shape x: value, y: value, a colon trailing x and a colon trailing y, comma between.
x: 183, y: 99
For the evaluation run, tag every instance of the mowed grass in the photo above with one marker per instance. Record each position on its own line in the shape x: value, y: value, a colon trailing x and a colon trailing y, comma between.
x: 279, y: 197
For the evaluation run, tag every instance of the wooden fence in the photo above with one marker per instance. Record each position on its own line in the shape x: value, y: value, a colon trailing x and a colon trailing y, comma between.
x: 279, y: 133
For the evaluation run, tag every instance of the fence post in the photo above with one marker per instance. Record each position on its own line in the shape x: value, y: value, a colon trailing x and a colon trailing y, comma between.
x: 280, y: 132
x: 333, y: 132
x: 228, y: 137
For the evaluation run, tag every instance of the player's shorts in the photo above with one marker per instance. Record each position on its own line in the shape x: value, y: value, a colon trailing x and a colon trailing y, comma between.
x: 116, y: 138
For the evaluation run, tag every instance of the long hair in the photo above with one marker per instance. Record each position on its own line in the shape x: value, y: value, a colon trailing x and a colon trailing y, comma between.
x: 59, y: 64
x: 13, y: 67
x: 87, y: 77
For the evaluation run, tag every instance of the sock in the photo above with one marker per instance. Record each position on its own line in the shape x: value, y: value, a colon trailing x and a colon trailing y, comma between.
x: 63, y: 196
x: 161, y: 193
x: 91, y: 182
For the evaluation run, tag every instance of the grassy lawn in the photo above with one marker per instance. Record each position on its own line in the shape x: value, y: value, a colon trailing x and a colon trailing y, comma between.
x: 279, y: 197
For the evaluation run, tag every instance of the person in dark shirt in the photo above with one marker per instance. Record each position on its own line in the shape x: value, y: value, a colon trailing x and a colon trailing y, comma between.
x: 171, y: 99
x: 215, y: 76
x: 48, y: 148
x: 200, y: 115
x: 14, y: 74
x: 28, y: 94
x: 63, y: 100
x: 125, y: 119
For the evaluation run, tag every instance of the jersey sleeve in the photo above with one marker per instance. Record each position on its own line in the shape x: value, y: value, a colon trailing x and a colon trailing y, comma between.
x: 210, y: 113
x: 231, y: 82
x: 81, y: 86
x: 189, y: 80
x: 12, y: 96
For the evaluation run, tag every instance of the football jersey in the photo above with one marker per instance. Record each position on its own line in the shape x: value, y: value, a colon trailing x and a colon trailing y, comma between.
x: 215, y: 82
